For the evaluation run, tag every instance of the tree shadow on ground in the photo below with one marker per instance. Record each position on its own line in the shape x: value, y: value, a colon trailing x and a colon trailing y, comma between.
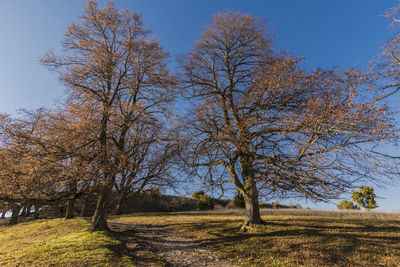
x: 137, y: 250
x: 138, y: 240
x: 336, y: 242
x: 332, y: 244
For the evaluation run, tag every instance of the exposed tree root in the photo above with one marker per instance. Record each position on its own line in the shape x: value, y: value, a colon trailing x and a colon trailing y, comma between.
x: 249, y: 226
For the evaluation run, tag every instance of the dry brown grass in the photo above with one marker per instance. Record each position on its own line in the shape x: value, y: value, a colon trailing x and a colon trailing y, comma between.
x: 291, y: 237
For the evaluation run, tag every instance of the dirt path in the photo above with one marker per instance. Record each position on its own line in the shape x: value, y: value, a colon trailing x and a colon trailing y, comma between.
x: 152, y: 245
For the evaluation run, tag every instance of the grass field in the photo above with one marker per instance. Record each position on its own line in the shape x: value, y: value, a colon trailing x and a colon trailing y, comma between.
x: 59, y: 242
x: 291, y: 237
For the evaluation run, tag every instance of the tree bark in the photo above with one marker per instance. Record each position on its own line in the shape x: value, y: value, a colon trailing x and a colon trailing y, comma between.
x: 99, y: 220
x: 85, y: 203
x: 14, y: 214
x: 252, y: 208
x: 69, y: 212
x: 120, y: 198
x: 117, y: 209
x: 100, y: 215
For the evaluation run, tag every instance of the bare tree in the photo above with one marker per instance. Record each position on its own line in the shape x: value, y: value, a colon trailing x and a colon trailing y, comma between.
x: 148, y: 159
x: 262, y: 123
x: 110, y: 63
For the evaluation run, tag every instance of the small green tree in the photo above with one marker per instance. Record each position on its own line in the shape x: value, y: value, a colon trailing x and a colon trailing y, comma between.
x: 205, y: 203
x: 198, y: 194
x: 365, y: 197
x: 347, y: 205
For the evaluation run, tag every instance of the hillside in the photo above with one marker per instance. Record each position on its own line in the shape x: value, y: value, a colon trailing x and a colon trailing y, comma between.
x: 59, y: 242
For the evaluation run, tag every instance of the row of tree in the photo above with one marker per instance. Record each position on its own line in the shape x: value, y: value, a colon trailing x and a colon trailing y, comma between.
x: 256, y: 119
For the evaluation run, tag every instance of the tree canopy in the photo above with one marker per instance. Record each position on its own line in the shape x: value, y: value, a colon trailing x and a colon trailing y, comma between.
x: 364, y: 197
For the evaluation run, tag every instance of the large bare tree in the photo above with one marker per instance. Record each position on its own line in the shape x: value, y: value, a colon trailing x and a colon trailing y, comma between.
x: 113, y: 65
x: 262, y: 123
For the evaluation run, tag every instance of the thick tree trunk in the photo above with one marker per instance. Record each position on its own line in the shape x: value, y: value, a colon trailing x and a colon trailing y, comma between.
x: 250, y: 193
x: 252, y: 208
x: 99, y: 220
x: 69, y: 212
x: 14, y: 214
x: 100, y: 215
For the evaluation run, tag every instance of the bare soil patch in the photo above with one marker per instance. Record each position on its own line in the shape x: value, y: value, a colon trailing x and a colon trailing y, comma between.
x: 155, y: 245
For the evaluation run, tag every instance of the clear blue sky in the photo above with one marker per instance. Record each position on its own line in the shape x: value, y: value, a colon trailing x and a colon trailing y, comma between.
x: 327, y: 33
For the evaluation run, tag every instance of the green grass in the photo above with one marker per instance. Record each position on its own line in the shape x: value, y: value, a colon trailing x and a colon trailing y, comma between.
x: 59, y: 242
x: 291, y: 237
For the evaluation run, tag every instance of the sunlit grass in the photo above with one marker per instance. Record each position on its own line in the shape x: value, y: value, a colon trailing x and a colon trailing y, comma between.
x: 291, y: 237
x: 59, y: 242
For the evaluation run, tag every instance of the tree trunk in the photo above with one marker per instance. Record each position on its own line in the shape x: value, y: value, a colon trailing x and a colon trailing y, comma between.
x: 252, y: 208
x: 69, y: 212
x: 28, y: 211
x: 14, y: 214
x: 100, y: 215
x: 99, y: 220
x: 3, y: 215
x: 24, y: 211
x: 84, y: 207
x: 36, y: 212
x: 250, y: 193
x: 117, y: 208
